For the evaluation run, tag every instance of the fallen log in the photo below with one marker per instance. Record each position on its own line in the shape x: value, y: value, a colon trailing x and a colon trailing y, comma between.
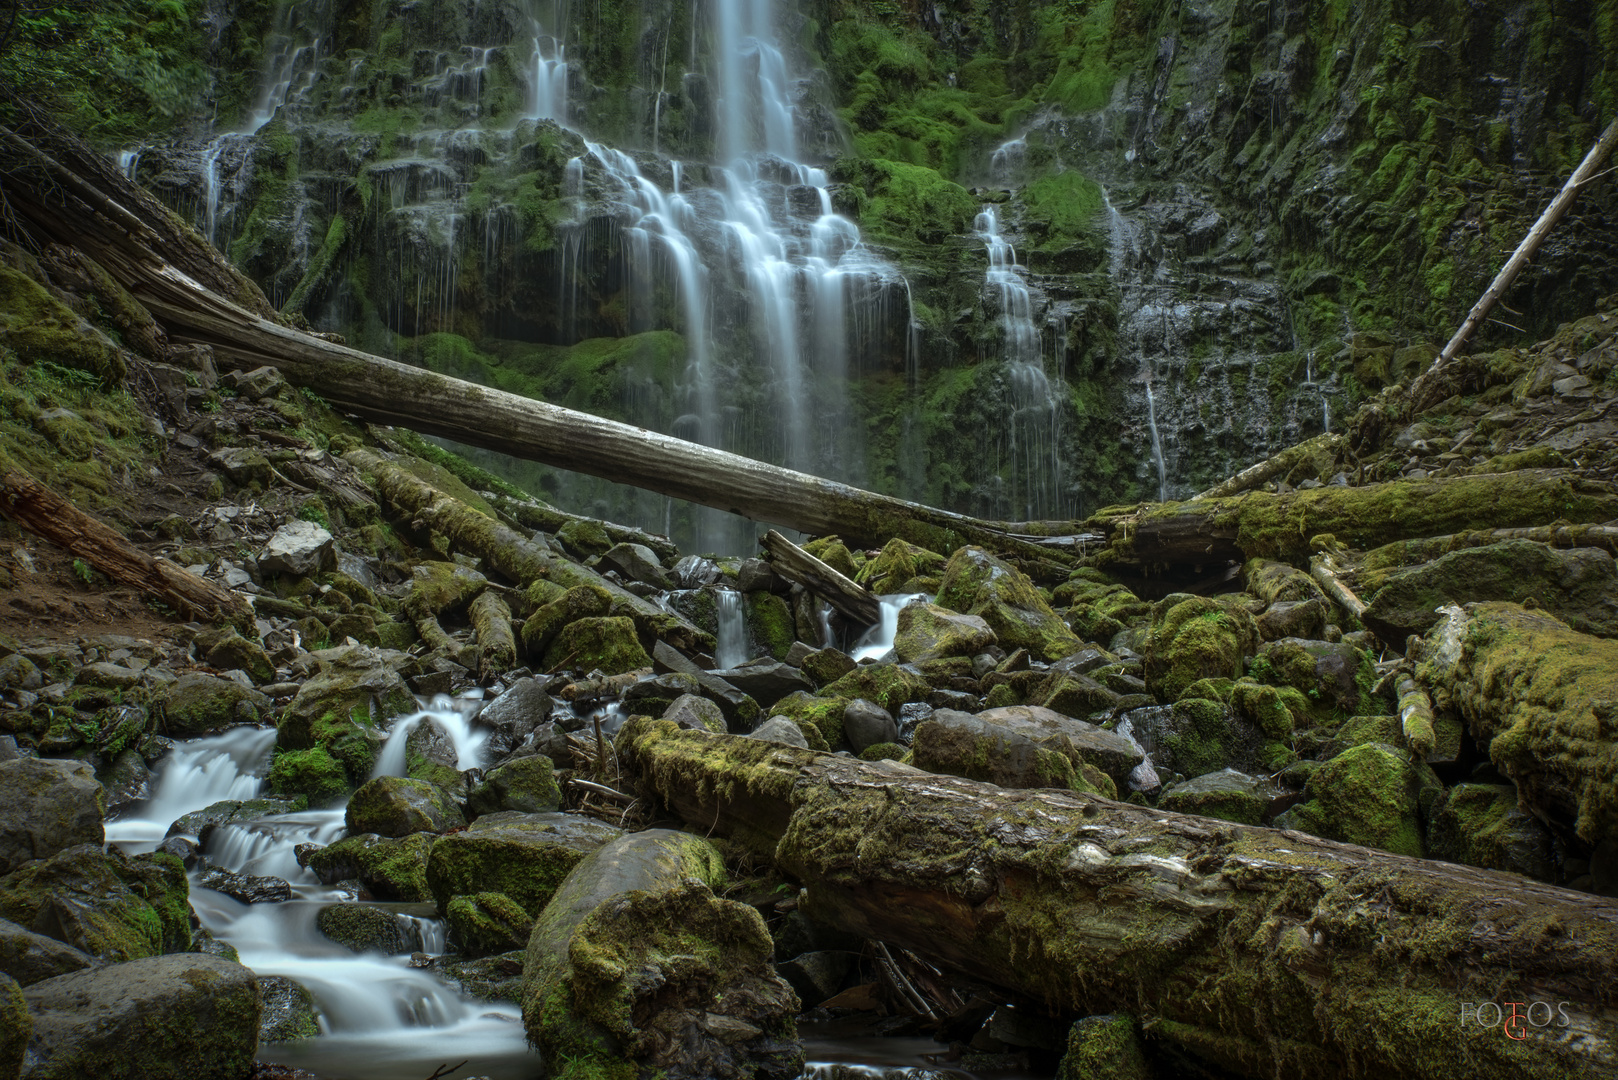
x: 1326, y: 575
x: 1269, y: 525
x: 1251, y: 477
x: 797, y: 565
x: 1270, y: 952
x: 45, y: 513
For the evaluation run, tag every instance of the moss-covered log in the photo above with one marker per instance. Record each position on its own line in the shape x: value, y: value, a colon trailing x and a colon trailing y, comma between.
x: 635, y: 965
x: 1270, y: 952
x: 45, y: 513
x: 1210, y: 531
x: 510, y: 552
x: 491, y: 617
x: 1543, y: 700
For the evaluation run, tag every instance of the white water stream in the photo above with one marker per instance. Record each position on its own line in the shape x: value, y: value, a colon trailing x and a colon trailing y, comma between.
x: 732, y: 648
x: 877, y: 642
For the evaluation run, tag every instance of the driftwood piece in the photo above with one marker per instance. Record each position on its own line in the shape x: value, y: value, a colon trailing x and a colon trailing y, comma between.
x: 1430, y: 387
x: 797, y: 565
x: 1279, y: 465
x: 45, y: 513
x: 1270, y: 952
x: 1325, y: 574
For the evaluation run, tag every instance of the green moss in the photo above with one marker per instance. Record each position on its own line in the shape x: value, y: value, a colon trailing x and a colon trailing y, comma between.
x: 313, y: 773
x: 823, y: 714
x: 487, y: 923
x: 769, y: 623
x: 1196, y: 638
x: 1063, y: 204
x: 605, y: 644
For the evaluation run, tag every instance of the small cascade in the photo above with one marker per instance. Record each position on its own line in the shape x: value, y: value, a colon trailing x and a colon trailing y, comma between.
x: 197, y: 774
x: 452, y: 717
x: 1035, y: 431
x: 823, y: 612
x: 269, y: 847
x: 732, y: 649
x: 1157, y: 444
x: 877, y: 642
x: 1007, y: 161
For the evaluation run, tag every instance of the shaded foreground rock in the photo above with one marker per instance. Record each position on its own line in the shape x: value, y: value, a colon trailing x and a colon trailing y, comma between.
x: 47, y: 805
x: 524, y: 856
x: 180, y: 1017
x: 637, y: 959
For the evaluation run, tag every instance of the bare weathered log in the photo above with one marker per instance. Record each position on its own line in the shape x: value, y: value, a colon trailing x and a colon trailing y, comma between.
x: 1430, y: 387
x: 1271, y: 952
x: 45, y: 513
x: 797, y: 565
x: 1263, y: 524
x: 1326, y: 576
x: 1279, y: 465
x: 511, y: 553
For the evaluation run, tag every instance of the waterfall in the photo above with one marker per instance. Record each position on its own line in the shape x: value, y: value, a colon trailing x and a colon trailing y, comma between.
x: 1157, y: 444
x: 197, y: 774
x: 1035, y: 432
x: 732, y: 649
x: 877, y: 642
x: 454, y: 722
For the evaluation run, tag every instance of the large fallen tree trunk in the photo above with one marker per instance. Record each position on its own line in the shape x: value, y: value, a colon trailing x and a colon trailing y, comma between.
x: 178, y: 278
x: 1258, y: 523
x: 1270, y: 952
x: 45, y: 513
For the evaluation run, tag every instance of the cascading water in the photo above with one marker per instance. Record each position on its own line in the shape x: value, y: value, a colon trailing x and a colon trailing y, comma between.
x: 195, y: 775
x: 1034, y: 436
x: 454, y: 721
x: 877, y: 642
x: 1157, y: 444
x: 732, y: 648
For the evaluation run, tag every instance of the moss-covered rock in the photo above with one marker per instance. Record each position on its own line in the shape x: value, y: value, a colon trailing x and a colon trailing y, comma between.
x: 362, y: 928
x: 313, y: 774
x: 47, y: 806
x: 824, y: 666
x: 1372, y: 795
x: 769, y: 623
x: 1265, y: 706
x: 929, y: 632
x: 885, y: 751
x: 834, y: 553
x: 889, y: 685
x: 289, y: 1010
x: 584, y: 537
x: 1099, y: 609
x: 15, y: 1027
x: 1195, y: 637
x: 227, y: 650
x: 392, y: 869
x: 441, y: 588
x: 196, y: 704
x: 104, y: 904
x: 1482, y: 825
x: 1335, y: 677
x: 202, y: 823
x: 1104, y: 1048
x: 579, y: 602
x: 397, y: 806
x: 488, y: 922
x: 901, y: 567
x: 1195, y: 736
x: 524, y: 856
x: 977, y: 583
x: 1226, y: 794
x: 608, y: 645
x: 527, y: 785
x: 340, y: 708
x: 40, y: 329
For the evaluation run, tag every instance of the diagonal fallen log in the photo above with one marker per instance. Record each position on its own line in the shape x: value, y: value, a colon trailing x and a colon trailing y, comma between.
x: 795, y: 564
x: 1270, y: 952
x: 45, y: 513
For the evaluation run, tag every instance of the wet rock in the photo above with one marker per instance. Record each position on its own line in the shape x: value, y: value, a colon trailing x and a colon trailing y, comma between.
x: 15, y: 1027
x: 756, y: 575
x: 608, y: 645
x: 741, y: 711
x: 198, y: 704
x: 636, y: 562
x: 47, y: 806
x: 816, y: 976
x: 526, y: 785
x: 866, y: 723
x: 1194, y: 638
x: 889, y: 685
x: 248, y: 888
x: 765, y: 683
x: 104, y: 904
x: 176, y: 1017
x: 491, y: 978
x: 780, y: 729
x: 362, y: 928
x: 826, y: 666
x: 187, y: 850
x: 396, y: 806
x: 977, y: 583
x: 543, y: 626
x: 1195, y: 736
x: 1482, y: 825
x: 691, y: 711
x: 201, y: 823
x: 694, y: 571
x: 389, y: 869
x: 930, y: 632
x: 486, y: 923
x: 29, y: 958
x: 112, y: 676
x: 1372, y: 795
x: 127, y: 781
x: 289, y: 1011
x: 514, y: 714
x: 339, y: 708
x: 524, y: 856
x: 1023, y: 747
x: 1227, y: 794
x: 769, y: 623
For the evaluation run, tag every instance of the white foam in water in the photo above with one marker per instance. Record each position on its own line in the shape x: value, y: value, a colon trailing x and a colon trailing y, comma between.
x: 453, y: 716
x: 269, y: 847
x: 876, y: 642
x: 197, y: 774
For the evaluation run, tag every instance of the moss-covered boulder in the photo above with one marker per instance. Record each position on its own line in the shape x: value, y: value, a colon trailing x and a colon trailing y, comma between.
x: 340, y: 709
x: 105, y: 904
x: 196, y: 704
x: 313, y: 774
x: 392, y: 869
x: 826, y: 666
x: 363, y: 928
x: 1280, y: 583
x: 15, y: 1027
x: 289, y: 1012
x: 902, y: 567
x: 769, y: 623
x: 37, y: 327
x: 1266, y: 707
x: 1105, y: 1048
x: 46, y: 806
x: 694, y: 711
x: 1227, y: 794
x: 486, y: 923
x: 930, y: 632
x: 584, y: 538
x: 608, y: 645
x: 227, y: 650
x: 1196, y: 736
x: 441, y: 588
x: 400, y: 805
x: 527, y: 785
x: 524, y: 856
x: 889, y: 685
x: 1577, y: 585
x: 638, y: 965
x: 29, y: 958
x: 1196, y: 637
x: 834, y: 553
x: 1022, y: 747
x: 546, y: 622
x: 977, y: 583
x: 1336, y: 677
x: 1372, y: 795
x: 1482, y: 825
x: 179, y: 1017
x: 1099, y: 609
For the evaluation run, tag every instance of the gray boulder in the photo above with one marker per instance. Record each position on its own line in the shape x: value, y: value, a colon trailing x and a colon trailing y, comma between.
x: 693, y: 712
x: 179, y: 1017
x: 289, y: 1010
x: 398, y: 806
x: 30, y: 958
x: 636, y: 562
x: 298, y: 549
x: 514, y: 714
x: 780, y: 729
x: 527, y: 785
x: 248, y: 888
x: 865, y: 723
x: 766, y: 683
x: 362, y: 928
x: 46, y: 806
x: 1226, y: 794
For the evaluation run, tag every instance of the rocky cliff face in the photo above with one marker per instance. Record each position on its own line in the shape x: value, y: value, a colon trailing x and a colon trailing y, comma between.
x: 1019, y: 260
